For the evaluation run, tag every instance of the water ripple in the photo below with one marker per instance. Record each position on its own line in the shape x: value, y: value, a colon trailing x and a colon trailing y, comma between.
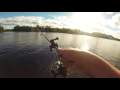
x: 28, y: 55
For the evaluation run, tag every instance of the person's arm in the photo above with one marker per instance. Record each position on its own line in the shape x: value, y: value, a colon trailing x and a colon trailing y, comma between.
x: 96, y: 66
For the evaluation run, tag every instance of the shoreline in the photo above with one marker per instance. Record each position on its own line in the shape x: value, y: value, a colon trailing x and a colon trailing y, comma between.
x: 115, y: 39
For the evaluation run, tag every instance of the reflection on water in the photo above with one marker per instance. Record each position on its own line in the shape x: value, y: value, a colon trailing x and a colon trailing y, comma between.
x: 85, y: 44
x: 26, y: 54
x: 85, y: 47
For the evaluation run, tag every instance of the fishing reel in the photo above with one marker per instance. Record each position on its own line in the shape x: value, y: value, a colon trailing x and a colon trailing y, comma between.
x: 59, y: 69
x: 56, y: 38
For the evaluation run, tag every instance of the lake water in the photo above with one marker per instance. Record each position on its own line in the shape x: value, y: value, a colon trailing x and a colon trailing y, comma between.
x: 27, y: 54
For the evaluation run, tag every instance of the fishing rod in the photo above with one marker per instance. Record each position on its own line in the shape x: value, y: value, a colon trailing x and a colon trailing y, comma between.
x: 43, y: 35
x: 57, y: 68
x: 53, y: 45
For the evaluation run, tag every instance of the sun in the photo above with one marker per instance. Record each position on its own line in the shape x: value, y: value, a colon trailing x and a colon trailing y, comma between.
x: 85, y: 21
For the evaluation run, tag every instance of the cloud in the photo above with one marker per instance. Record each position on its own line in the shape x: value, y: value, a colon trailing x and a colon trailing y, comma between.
x: 79, y: 20
x: 115, y: 21
x: 33, y: 21
x: 109, y: 13
x: 21, y: 20
x: 86, y: 21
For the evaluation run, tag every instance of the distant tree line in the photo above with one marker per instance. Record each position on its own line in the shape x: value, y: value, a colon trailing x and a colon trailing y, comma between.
x: 24, y: 28
x: 1, y: 29
x: 18, y: 28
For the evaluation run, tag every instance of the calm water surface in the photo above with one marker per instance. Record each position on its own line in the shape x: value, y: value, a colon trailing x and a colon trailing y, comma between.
x: 26, y: 54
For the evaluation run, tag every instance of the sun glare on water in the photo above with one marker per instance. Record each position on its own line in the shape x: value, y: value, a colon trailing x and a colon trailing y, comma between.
x: 85, y: 43
x: 85, y: 46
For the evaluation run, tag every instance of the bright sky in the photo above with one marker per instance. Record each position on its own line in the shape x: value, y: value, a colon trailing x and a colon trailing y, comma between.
x: 105, y: 22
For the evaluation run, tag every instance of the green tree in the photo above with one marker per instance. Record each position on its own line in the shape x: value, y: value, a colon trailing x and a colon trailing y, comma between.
x: 60, y: 30
x: 1, y: 29
x: 17, y: 28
